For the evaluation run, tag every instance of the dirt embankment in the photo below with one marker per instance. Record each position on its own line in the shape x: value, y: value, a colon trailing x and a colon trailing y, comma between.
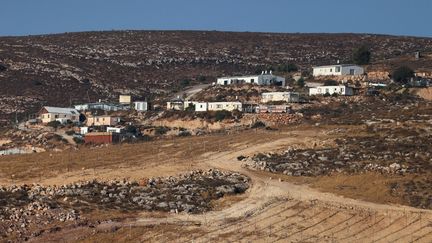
x: 425, y: 93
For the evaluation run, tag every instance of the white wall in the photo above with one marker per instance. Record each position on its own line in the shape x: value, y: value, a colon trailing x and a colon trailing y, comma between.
x: 340, y: 90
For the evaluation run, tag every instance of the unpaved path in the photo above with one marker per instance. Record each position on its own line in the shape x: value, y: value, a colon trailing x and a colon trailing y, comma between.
x: 279, y: 211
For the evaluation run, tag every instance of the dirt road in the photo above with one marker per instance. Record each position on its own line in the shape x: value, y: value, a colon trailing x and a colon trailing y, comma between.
x: 279, y: 211
x: 273, y: 209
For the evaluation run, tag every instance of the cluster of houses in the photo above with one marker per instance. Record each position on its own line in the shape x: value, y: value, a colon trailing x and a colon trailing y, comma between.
x: 271, y: 102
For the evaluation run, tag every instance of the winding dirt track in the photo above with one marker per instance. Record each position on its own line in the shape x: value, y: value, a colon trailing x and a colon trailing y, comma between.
x: 278, y: 211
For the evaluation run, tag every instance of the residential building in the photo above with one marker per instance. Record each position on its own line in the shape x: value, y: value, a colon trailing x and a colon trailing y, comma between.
x: 125, y: 99
x: 273, y: 109
x: 265, y: 78
x: 228, y: 106
x: 84, y: 130
x: 280, y: 96
x: 102, y: 137
x: 340, y: 90
x: 102, y: 106
x: 176, y: 104
x: 48, y: 114
x: 103, y: 120
x: 141, y: 105
x: 338, y: 70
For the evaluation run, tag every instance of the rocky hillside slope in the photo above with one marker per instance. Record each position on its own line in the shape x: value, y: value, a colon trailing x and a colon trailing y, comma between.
x: 67, y: 68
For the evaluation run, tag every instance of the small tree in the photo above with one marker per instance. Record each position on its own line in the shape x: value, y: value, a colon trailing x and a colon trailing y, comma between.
x: 362, y: 55
x: 301, y: 82
x: 403, y: 74
x: 331, y: 83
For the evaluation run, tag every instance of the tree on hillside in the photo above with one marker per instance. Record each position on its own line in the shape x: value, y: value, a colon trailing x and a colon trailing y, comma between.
x: 331, y: 83
x: 403, y: 74
x: 301, y: 82
x: 362, y: 55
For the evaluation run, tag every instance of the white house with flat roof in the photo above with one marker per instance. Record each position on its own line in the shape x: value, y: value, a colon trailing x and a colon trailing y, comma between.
x: 265, y: 78
x: 339, y: 89
x: 338, y: 70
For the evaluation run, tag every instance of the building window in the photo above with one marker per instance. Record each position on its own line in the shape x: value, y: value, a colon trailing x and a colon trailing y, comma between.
x: 327, y: 91
x: 252, y: 80
x: 331, y: 70
x: 56, y: 116
x: 337, y: 69
x: 342, y: 90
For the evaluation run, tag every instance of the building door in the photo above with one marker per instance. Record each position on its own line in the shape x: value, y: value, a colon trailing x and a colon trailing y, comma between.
x: 351, y: 71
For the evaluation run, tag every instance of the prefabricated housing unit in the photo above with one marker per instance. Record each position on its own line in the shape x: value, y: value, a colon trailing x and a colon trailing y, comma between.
x: 228, y: 106
x: 280, y: 96
x: 141, y: 105
x: 338, y: 70
x: 265, y: 78
x: 340, y: 90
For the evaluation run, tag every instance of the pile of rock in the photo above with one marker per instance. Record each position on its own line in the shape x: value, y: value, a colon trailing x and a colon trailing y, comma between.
x: 401, y: 151
x: 24, y: 207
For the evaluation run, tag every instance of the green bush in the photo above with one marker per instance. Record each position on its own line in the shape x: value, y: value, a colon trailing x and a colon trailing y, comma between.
x: 78, y: 140
x: 258, y: 124
x: 222, y: 115
x: 54, y: 124
x: 70, y: 132
x: 403, y: 74
x: 161, y: 130
x: 362, y: 55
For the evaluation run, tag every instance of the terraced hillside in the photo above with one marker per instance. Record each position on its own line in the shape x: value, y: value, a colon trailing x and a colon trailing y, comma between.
x: 74, y: 67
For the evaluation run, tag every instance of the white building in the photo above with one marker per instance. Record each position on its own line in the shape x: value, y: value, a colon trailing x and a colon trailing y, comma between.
x: 114, y: 129
x: 141, y: 105
x: 228, y: 106
x: 340, y: 90
x: 280, y: 96
x: 265, y: 78
x: 201, y: 106
x: 338, y: 70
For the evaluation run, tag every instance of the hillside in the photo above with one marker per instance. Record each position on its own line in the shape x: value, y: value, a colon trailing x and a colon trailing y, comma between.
x: 64, y: 69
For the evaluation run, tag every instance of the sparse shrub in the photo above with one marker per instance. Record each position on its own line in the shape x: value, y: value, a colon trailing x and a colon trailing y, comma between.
x: 331, y: 83
x: 258, y: 124
x: 185, y: 82
x: 403, y: 74
x: 2, y: 67
x: 301, y: 82
x: 326, y: 94
x: 54, y: 124
x: 222, y: 115
x: 201, y: 78
x: 70, y: 132
x: 335, y: 95
x: 161, y: 130
x: 78, y: 140
x: 184, y: 134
